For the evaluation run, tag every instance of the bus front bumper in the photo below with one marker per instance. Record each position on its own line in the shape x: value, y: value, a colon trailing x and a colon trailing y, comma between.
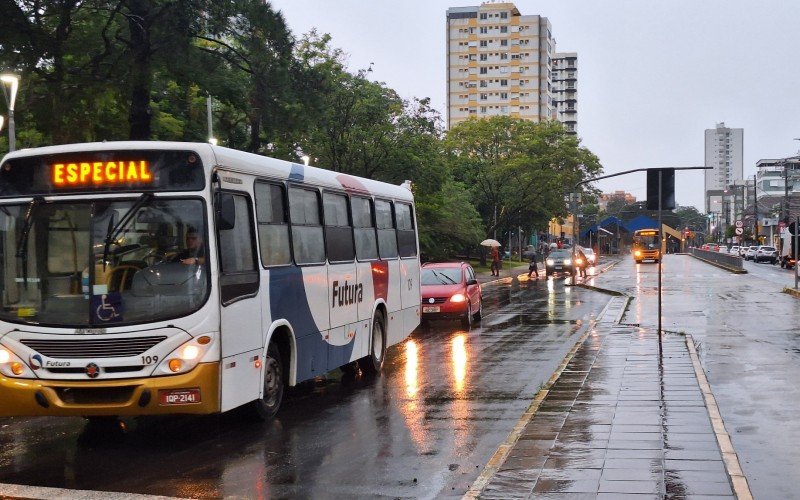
x: 195, y: 392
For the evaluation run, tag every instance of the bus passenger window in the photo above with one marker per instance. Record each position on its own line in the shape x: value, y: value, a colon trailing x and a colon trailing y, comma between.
x: 364, y: 229
x: 239, y: 276
x: 338, y: 231
x: 273, y: 226
x: 406, y: 235
x: 387, y: 236
x: 307, y: 239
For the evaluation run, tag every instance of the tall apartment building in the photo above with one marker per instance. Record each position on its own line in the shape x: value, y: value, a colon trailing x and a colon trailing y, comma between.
x: 500, y: 62
x: 725, y: 154
x: 565, y: 89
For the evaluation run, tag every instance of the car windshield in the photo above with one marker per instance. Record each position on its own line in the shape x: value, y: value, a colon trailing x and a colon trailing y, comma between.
x: 441, y: 276
x: 560, y: 254
x: 768, y: 249
x: 587, y: 251
x: 53, y: 271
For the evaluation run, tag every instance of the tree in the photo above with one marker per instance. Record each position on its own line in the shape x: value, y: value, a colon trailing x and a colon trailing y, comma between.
x: 519, y: 171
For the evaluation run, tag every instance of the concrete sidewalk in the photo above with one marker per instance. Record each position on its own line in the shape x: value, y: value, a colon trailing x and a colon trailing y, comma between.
x: 612, y: 423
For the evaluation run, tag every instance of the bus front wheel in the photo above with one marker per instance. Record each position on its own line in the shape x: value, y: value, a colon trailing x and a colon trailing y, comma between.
x: 268, y: 405
x: 373, y: 363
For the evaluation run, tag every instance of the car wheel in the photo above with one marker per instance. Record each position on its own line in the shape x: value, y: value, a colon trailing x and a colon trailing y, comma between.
x: 373, y: 363
x: 479, y: 313
x: 466, y: 320
x: 268, y: 405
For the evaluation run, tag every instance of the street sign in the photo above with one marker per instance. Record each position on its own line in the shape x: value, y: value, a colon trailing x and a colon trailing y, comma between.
x: 739, y: 231
x: 739, y: 223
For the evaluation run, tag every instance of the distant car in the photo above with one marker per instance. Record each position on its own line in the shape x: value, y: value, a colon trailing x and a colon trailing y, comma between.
x: 750, y: 254
x: 451, y: 291
x: 766, y: 253
x: 559, y: 261
x: 590, y: 256
x: 743, y: 251
x: 734, y: 250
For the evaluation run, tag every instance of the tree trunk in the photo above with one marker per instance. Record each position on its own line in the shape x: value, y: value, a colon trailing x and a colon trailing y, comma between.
x: 140, y: 115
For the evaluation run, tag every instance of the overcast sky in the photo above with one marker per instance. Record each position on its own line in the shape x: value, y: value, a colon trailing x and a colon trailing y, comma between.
x: 652, y: 75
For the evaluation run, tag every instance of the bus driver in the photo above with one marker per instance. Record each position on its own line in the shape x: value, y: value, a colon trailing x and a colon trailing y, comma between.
x: 194, y: 253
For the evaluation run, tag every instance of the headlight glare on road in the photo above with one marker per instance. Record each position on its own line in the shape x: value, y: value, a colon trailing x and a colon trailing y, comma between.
x: 459, y: 297
x: 550, y: 262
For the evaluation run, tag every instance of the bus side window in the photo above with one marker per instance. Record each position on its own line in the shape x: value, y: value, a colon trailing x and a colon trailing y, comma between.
x: 387, y: 236
x: 273, y: 224
x: 238, y: 276
x: 406, y: 236
x: 338, y: 230
x: 308, y: 241
x: 364, y: 228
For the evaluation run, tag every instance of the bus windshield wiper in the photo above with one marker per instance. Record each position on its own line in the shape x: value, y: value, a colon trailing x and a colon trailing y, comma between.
x: 114, y: 230
x: 22, y: 241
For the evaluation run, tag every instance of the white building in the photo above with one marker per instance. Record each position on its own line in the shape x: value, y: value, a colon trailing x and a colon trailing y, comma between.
x: 500, y: 62
x: 724, y: 152
x: 565, y: 89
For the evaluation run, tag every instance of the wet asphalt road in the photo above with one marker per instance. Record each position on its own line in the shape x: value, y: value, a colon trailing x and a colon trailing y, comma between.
x: 447, y: 398
x: 748, y: 338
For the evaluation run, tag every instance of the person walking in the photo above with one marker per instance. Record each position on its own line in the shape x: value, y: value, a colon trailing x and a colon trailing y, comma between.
x: 581, y: 261
x: 495, y: 261
x: 532, y: 267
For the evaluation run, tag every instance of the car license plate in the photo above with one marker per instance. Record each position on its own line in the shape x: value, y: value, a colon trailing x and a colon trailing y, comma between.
x: 558, y: 267
x: 179, y: 397
x: 430, y: 309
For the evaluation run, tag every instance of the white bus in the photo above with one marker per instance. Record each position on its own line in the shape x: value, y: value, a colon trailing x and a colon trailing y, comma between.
x: 142, y: 278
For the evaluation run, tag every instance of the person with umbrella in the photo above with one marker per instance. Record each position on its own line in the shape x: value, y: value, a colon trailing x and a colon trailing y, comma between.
x: 494, y: 253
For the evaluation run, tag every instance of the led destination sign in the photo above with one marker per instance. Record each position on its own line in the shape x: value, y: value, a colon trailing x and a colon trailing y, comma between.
x: 101, y: 172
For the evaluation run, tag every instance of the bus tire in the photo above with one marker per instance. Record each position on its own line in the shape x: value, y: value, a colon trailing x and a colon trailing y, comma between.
x: 267, y: 406
x: 373, y: 363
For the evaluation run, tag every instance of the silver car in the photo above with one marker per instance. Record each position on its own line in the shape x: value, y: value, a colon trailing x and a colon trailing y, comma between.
x: 750, y: 254
x: 766, y: 253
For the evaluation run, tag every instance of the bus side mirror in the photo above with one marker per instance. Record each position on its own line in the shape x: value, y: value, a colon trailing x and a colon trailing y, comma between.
x: 225, y: 211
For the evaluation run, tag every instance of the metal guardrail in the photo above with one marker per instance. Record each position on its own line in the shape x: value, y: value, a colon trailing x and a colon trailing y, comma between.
x: 724, y: 259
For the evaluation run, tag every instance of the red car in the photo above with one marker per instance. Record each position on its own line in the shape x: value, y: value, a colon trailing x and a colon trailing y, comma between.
x: 450, y: 291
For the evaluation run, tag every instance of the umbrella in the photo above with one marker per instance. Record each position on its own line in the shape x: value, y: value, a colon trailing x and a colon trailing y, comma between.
x: 490, y: 243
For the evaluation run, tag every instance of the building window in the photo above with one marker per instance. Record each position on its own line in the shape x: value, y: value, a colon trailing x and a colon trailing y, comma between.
x: 504, y: 15
x: 503, y: 83
x: 483, y: 57
x: 483, y: 70
x: 484, y: 30
x: 483, y: 43
x: 503, y: 57
x: 503, y: 95
x: 483, y: 109
x: 483, y: 97
x: 504, y: 43
x: 483, y: 15
x: 503, y: 29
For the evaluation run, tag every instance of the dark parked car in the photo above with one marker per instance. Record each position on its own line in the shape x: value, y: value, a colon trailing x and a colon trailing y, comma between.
x: 450, y: 291
x: 559, y: 261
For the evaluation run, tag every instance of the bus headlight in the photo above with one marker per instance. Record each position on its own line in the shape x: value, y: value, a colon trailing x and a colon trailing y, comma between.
x: 185, y: 357
x: 12, y: 366
x: 638, y: 253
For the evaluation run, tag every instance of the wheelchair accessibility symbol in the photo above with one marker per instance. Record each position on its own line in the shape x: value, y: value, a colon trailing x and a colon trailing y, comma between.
x: 107, y: 307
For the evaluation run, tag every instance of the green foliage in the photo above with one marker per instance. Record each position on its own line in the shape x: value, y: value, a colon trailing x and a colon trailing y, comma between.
x: 94, y: 70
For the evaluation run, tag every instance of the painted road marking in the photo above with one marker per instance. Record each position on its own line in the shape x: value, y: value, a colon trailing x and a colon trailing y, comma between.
x: 45, y: 493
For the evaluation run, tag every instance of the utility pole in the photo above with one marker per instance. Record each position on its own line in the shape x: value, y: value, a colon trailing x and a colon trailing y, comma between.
x: 755, y: 208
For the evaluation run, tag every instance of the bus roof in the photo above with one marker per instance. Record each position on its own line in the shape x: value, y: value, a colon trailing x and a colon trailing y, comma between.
x: 240, y: 161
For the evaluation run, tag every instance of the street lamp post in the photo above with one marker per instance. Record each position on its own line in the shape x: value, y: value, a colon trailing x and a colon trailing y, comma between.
x: 12, y: 82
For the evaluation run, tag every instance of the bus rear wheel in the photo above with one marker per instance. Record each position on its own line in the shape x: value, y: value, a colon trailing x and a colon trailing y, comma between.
x: 373, y: 363
x: 266, y: 407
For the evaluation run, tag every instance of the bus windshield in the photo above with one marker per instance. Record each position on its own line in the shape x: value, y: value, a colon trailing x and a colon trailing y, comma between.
x: 94, y: 263
x: 646, y: 240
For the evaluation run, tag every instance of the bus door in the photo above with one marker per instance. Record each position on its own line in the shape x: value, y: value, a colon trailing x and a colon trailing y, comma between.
x: 240, y: 315
x: 345, y: 289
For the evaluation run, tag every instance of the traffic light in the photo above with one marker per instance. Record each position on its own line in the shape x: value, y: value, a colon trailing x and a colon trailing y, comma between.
x: 667, y: 188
